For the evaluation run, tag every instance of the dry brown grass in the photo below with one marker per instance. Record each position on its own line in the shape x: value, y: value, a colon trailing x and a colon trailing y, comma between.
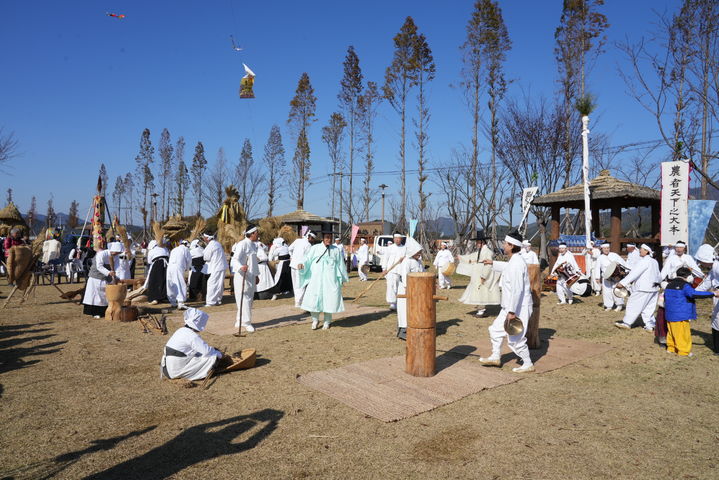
x: 83, y: 397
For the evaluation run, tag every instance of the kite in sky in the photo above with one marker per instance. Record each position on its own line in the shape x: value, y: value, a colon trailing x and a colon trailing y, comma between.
x: 234, y: 46
x: 246, y: 83
x: 116, y: 15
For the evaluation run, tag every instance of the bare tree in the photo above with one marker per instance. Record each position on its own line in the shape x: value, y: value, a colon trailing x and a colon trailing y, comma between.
x: 333, y: 135
x: 9, y: 196
x: 129, y: 195
x: 8, y: 148
x: 118, y: 193
x: 72, y: 215
x: 50, y: 216
x: 32, y: 214
x: 199, y: 165
x: 182, y: 178
x: 104, y: 178
x: 145, y: 178
x: 274, y: 160
x: 531, y: 146
x: 249, y: 180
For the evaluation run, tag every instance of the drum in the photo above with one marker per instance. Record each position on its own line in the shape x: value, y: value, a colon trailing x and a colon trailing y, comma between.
x: 621, y: 292
x: 614, y: 272
x: 567, y: 272
x: 581, y: 287
x: 365, y: 269
x: 514, y: 326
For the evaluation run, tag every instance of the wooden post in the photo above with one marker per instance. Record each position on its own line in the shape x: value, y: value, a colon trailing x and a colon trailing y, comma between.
x: 596, y: 226
x: 421, y: 324
x: 655, y: 221
x: 616, y: 231
x: 115, y: 296
x: 535, y: 281
x: 554, y: 223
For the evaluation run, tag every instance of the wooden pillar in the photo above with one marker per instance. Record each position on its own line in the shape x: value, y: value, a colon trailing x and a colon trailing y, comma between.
x: 115, y: 297
x: 535, y: 280
x: 420, y: 360
x: 656, y: 210
x: 616, y: 230
x: 596, y: 226
x: 554, y: 223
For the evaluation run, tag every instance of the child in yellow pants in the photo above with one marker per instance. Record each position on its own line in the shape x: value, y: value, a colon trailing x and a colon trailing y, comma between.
x: 679, y: 309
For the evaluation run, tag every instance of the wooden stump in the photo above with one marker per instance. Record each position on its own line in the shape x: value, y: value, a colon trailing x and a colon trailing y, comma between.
x: 420, y: 358
x: 535, y: 281
x: 115, y: 298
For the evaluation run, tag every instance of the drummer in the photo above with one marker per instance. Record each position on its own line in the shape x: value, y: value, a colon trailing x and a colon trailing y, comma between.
x: 441, y: 262
x: 644, y: 276
x: 679, y: 259
x: 565, y: 267
x: 604, y: 270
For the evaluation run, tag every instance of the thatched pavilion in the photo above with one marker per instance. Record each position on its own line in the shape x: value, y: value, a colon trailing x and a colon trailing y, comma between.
x: 10, y: 217
x: 298, y: 218
x: 607, y: 193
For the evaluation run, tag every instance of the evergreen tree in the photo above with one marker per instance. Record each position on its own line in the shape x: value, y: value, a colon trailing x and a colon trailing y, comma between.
x: 249, y: 180
x: 117, y: 195
x: 199, y: 163
x: 104, y: 178
x: 50, y: 216
x: 368, y: 104
x: 72, y: 215
x: 425, y: 74
x: 32, y: 214
x: 349, y: 96
x: 166, y: 168
x: 274, y: 160
x: 182, y: 179
x: 302, y: 112
x: 218, y: 180
x: 145, y: 178
x: 400, y: 77
x: 129, y: 188
x: 333, y: 134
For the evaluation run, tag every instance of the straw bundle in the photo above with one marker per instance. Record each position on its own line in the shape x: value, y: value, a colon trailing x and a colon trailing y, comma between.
x: 176, y: 228
x: 288, y: 234
x: 231, y: 219
x: 122, y: 233
x: 197, y: 230
x: 269, y: 229
x: 36, y: 245
x: 158, y: 233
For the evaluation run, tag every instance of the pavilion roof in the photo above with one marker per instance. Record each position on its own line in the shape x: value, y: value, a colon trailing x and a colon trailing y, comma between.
x: 303, y: 217
x: 603, y: 190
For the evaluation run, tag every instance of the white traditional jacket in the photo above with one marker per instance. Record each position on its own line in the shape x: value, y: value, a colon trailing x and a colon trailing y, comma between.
x: 644, y: 275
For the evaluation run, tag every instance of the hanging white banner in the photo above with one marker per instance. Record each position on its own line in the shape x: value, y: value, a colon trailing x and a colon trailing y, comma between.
x: 675, y: 203
x: 528, y: 195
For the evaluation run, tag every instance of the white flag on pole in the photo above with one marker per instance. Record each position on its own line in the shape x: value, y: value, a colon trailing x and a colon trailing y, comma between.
x: 675, y: 202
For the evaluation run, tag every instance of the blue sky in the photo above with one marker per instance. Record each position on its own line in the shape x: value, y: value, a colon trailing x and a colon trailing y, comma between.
x: 79, y: 87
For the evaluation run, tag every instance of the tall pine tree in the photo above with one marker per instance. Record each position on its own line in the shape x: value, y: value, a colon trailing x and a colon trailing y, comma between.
x: 349, y: 96
x: 165, y: 152
x: 199, y: 164
x: 301, y: 116
x: 145, y: 178
x: 274, y: 160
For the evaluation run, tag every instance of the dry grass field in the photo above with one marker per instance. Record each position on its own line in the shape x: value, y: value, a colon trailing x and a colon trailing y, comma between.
x: 83, y: 398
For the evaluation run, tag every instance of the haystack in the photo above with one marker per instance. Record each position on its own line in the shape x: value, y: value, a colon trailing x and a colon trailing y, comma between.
x: 272, y: 227
x: 10, y: 217
x: 176, y: 228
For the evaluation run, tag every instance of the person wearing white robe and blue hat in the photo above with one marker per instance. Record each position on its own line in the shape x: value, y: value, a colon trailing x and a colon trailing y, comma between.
x: 186, y: 354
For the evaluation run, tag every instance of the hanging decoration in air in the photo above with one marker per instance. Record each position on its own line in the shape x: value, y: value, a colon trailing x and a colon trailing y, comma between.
x: 234, y: 45
x: 119, y: 16
x: 246, y: 83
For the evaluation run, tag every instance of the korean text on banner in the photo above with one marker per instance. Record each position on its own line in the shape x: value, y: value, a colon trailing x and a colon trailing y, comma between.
x: 675, y: 202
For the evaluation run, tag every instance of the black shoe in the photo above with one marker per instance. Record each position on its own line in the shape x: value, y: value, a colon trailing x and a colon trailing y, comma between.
x: 402, y: 334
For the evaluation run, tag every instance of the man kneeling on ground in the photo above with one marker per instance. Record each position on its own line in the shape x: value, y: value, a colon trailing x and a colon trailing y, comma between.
x: 186, y: 353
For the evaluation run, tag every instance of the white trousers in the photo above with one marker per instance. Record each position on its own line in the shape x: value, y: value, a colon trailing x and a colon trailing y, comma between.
x: 360, y: 273
x: 401, y: 309
x: 715, y: 314
x: 244, y: 314
x: 392, y: 285
x: 564, y: 293
x: 176, y: 285
x: 517, y: 343
x: 610, y: 300
x: 641, y: 303
x: 215, y: 288
x: 299, y: 291
x: 444, y: 281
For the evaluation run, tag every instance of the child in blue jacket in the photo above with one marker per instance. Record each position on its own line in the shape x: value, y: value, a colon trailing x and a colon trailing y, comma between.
x: 679, y: 309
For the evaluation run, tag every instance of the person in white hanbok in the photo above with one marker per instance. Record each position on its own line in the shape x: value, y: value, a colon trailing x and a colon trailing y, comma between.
x: 644, y: 278
x: 362, y: 259
x: 101, y: 272
x: 393, y: 254
x: 266, y: 280
x: 633, y: 255
x: 680, y: 258
x: 708, y: 258
x: 156, y: 281
x: 280, y: 253
x: 180, y: 262
x: 411, y: 263
x: 244, y: 266
x: 605, y: 259
x: 297, y: 250
x: 530, y: 258
x: 123, y: 266
x: 441, y: 262
x: 565, y: 260
x: 483, y: 288
x: 198, y: 273
x: 74, y: 264
x: 186, y: 355
x: 516, y: 303
x: 214, y: 256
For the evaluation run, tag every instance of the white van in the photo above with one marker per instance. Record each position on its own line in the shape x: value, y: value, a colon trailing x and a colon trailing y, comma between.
x: 381, y: 242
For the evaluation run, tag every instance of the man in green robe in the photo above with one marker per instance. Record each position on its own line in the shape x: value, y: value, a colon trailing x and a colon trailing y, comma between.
x: 323, y: 273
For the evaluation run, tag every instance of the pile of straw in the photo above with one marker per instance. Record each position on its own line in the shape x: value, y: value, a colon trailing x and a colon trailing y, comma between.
x: 176, y: 228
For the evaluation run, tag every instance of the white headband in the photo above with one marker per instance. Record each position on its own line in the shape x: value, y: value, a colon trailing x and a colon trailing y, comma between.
x: 310, y: 234
x: 647, y: 248
x: 251, y: 230
x: 513, y: 241
x: 631, y: 244
x: 680, y: 244
x: 608, y: 245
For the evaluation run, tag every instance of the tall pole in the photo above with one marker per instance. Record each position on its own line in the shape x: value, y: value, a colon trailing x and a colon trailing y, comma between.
x: 585, y: 175
x: 383, y: 186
